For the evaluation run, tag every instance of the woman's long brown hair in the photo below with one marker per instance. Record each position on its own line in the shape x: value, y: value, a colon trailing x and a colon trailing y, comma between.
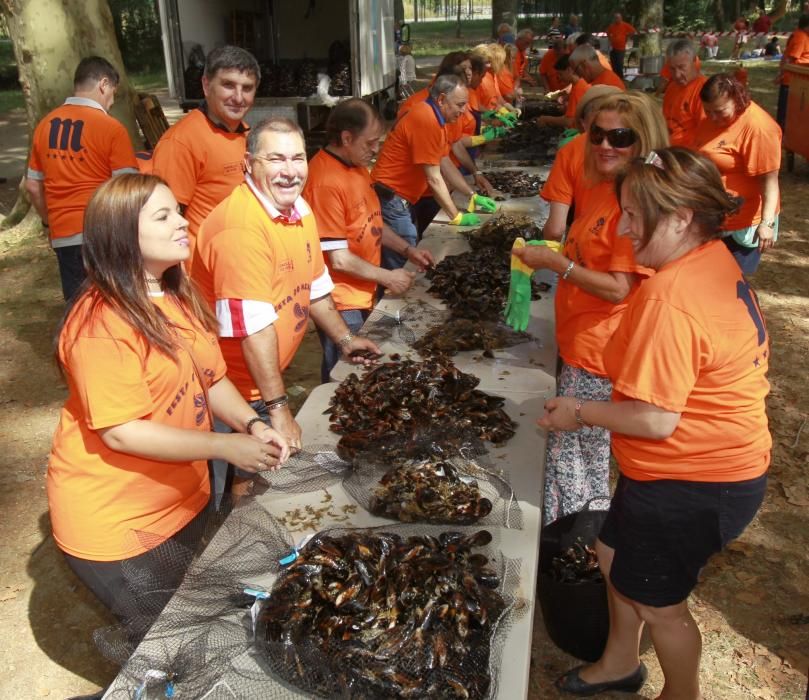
x: 115, y: 273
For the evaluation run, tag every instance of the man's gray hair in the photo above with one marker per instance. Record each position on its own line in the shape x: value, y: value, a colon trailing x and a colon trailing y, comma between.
x: 279, y: 125
x: 681, y: 46
x: 525, y: 34
x: 445, y: 84
x: 585, y: 52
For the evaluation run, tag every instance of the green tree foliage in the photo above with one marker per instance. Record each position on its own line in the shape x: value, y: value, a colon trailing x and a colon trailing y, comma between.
x: 137, y: 26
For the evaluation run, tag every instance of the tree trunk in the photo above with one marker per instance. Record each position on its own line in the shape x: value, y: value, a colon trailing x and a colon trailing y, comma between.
x: 719, y: 15
x: 398, y: 10
x: 415, y: 11
x: 504, y: 11
x: 458, y: 28
x: 46, y: 60
x: 650, y: 16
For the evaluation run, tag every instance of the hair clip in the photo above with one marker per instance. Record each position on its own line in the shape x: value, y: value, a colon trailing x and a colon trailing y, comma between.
x: 654, y: 159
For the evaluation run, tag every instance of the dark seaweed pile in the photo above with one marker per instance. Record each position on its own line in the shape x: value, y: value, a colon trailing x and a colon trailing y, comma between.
x: 398, y: 405
x: 475, y: 285
x: 376, y: 614
x: 460, y: 334
x: 515, y: 183
x: 576, y: 564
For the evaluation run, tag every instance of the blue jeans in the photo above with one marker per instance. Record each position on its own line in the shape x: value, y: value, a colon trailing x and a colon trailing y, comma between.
x: 747, y: 258
x: 396, y: 214
x: 354, y: 318
x: 220, y: 471
x: 617, y: 62
x: 71, y: 269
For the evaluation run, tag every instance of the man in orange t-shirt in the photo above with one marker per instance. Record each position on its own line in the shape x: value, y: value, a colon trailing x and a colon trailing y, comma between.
x: 349, y: 220
x: 617, y: 33
x: 795, y: 53
x: 412, y: 160
x: 525, y: 38
x: 682, y: 106
x: 201, y: 156
x: 259, y: 264
x: 74, y: 149
x: 578, y: 86
x: 548, y: 73
x: 584, y: 61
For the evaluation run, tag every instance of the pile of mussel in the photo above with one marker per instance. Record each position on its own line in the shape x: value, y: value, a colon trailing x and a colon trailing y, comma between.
x: 475, y: 285
x: 533, y: 108
x: 460, y: 334
x: 576, y: 564
x: 530, y: 143
x: 514, y: 182
x: 374, y: 614
x: 396, y: 403
x: 429, y: 491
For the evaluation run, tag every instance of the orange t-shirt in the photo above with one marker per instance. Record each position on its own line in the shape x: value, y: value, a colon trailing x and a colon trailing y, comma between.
x: 665, y: 71
x: 609, y: 77
x: 348, y: 217
x: 702, y: 355
x: 520, y: 64
x: 414, y: 99
x: 683, y: 110
x: 474, y: 101
x: 546, y: 68
x: 100, y: 499
x: 257, y: 268
x: 577, y: 89
x: 419, y: 138
x: 202, y: 163
x: 617, y: 33
x: 748, y: 148
x: 584, y: 322
x: 567, y: 172
x: 74, y: 149
x: 488, y: 91
x: 505, y: 80
x: 797, y: 48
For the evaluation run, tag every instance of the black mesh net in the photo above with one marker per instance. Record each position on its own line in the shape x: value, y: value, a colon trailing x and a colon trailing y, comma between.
x: 402, y: 611
x: 316, y: 467
x: 177, y: 602
x: 405, y: 409
x: 402, y: 326
x: 453, y: 490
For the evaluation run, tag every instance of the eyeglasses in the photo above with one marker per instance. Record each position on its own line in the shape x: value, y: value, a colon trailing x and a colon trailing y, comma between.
x: 617, y: 138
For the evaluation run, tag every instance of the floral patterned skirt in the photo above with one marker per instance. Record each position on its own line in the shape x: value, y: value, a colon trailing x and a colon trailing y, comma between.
x: 577, y: 463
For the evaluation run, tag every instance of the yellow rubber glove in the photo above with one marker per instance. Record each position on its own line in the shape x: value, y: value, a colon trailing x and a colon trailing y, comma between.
x: 478, y: 140
x: 465, y: 219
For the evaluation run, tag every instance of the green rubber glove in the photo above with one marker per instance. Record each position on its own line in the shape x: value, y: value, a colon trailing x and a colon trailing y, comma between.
x: 465, y: 219
x: 487, y: 204
x: 518, y: 306
x: 493, y: 132
x: 488, y: 114
x: 566, y: 136
x: 509, y: 120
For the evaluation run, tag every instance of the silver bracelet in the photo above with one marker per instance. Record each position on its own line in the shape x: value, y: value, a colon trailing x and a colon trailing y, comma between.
x: 345, y: 340
x: 569, y: 269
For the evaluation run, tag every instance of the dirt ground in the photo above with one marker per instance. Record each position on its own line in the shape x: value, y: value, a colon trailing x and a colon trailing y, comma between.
x: 752, y: 606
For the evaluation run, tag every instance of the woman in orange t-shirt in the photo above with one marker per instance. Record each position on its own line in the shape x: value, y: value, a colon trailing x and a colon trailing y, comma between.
x: 128, y: 475
x: 744, y: 142
x: 597, y: 272
x: 687, y: 415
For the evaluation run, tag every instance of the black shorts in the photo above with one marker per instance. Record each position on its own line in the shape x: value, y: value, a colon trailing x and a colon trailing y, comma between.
x: 663, y: 532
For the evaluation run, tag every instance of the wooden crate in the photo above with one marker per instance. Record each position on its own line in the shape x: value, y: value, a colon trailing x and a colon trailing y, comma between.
x: 152, y: 121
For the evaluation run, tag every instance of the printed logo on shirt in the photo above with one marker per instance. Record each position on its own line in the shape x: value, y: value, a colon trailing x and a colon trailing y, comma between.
x: 302, y: 314
x: 287, y: 266
x: 201, y: 408
x: 65, y: 134
x: 233, y: 168
x: 178, y: 397
x: 308, y: 252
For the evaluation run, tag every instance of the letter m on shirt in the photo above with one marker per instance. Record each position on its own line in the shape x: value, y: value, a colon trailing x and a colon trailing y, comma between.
x: 64, y: 133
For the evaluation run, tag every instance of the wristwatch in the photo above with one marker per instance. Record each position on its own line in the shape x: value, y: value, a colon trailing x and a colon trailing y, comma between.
x: 768, y: 224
